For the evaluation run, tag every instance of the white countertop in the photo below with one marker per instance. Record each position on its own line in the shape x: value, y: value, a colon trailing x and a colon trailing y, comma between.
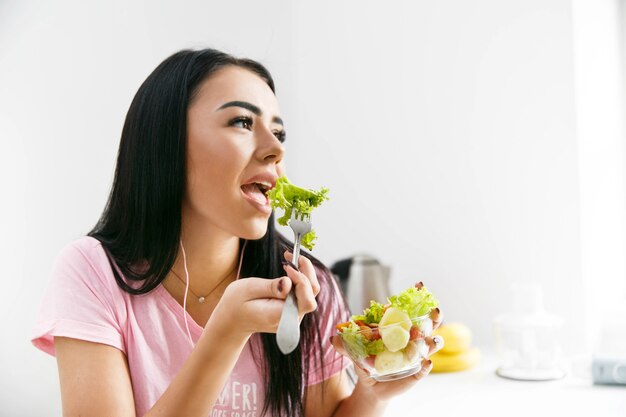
x: 480, y: 392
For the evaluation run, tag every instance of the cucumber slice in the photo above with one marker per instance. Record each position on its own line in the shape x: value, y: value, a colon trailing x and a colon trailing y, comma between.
x: 395, y: 316
x: 388, y: 361
x: 394, y: 338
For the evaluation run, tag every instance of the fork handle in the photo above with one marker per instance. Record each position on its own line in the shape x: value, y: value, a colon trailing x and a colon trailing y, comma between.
x: 288, y: 332
x: 296, y: 250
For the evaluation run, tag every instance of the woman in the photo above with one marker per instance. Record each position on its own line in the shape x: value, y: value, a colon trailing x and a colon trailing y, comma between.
x: 147, y: 315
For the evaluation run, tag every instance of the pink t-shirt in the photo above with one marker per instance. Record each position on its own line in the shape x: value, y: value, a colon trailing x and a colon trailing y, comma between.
x: 83, y: 301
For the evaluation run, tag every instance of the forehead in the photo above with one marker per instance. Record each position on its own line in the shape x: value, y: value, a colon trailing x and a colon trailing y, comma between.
x: 236, y: 84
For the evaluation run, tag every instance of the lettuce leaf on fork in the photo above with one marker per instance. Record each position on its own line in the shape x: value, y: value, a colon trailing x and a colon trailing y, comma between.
x: 290, y: 197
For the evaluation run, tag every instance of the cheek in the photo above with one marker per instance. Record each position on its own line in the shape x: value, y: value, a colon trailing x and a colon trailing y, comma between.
x: 214, y: 169
x: 206, y: 171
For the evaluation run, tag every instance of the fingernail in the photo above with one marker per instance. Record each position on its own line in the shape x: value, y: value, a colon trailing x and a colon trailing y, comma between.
x: 285, y: 263
x: 280, y: 285
x: 419, y: 285
x: 430, y: 342
x: 437, y: 340
x: 429, y: 362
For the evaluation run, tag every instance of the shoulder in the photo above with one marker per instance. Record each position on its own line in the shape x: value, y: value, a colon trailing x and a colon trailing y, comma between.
x: 84, y: 248
x: 82, y: 300
x: 84, y: 262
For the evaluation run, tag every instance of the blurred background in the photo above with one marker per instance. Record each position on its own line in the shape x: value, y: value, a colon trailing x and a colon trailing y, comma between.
x: 470, y: 145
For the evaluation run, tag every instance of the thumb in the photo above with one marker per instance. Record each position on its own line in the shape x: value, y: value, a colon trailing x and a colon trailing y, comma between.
x: 281, y: 287
x: 338, y: 345
x: 258, y: 288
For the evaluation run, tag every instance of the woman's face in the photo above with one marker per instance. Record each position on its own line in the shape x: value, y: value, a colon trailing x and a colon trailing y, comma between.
x: 234, y: 153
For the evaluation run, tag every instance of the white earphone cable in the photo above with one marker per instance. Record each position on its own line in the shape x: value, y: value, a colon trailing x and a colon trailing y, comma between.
x: 186, y: 292
x: 245, y: 242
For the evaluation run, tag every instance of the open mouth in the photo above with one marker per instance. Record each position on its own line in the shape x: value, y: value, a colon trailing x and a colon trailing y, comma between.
x: 257, y: 191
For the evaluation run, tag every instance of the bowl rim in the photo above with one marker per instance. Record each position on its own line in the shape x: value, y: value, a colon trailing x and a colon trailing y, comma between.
x: 424, y: 317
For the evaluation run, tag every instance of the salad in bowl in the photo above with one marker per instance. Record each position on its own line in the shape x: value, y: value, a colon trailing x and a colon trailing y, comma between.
x: 388, y: 340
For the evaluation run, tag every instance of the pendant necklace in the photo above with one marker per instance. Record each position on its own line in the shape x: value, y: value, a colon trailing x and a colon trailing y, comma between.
x: 201, y: 299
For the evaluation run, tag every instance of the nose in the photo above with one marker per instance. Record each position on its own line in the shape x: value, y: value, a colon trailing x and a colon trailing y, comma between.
x: 270, y: 148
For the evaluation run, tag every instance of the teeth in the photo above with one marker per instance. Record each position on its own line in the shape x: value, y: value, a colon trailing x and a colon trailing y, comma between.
x: 265, y: 185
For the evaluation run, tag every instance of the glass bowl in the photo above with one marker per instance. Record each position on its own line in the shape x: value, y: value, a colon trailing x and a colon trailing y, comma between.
x: 388, y: 352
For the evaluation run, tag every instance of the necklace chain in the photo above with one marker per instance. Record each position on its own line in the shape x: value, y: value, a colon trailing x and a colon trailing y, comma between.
x: 201, y: 299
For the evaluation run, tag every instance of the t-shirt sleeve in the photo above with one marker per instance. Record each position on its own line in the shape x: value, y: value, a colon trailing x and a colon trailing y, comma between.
x: 79, y: 301
x: 332, y: 310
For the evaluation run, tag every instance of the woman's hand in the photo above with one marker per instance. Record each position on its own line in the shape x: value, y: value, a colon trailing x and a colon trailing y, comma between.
x: 305, y: 280
x: 384, y: 391
x: 254, y: 305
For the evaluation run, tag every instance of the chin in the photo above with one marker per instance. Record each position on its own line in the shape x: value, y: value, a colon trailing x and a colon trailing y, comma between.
x: 255, y: 232
x: 253, y: 236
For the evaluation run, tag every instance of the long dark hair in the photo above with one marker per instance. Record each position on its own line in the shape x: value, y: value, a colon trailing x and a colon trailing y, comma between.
x: 141, y: 223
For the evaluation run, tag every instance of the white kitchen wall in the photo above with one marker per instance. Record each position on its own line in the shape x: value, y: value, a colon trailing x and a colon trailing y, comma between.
x: 599, y: 76
x: 449, y: 134
x: 446, y: 131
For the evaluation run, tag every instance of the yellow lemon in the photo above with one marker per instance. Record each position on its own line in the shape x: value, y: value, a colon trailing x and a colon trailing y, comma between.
x: 453, y: 362
x: 457, y: 337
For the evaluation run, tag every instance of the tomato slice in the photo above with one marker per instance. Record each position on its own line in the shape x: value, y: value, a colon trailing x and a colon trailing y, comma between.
x: 340, y: 326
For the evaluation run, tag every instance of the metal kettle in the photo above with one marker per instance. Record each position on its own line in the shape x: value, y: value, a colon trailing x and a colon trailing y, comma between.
x: 362, y: 278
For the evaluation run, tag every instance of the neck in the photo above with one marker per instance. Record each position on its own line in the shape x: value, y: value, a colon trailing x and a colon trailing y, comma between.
x: 211, y: 254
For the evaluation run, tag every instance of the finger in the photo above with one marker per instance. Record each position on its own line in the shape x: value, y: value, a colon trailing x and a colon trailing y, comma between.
x: 436, y: 316
x: 306, y: 267
x: 304, y: 292
x: 434, y: 344
x: 338, y: 345
x: 262, y: 299
x: 256, y: 288
x: 427, y: 366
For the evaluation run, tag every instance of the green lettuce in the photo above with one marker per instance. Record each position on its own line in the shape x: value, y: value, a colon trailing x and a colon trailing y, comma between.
x: 373, y: 314
x: 374, y: 347
x: 289, y: 197
x: 354, y: 341
x: 415, y: 302
x: 357, y: 344
x: 308, y: 240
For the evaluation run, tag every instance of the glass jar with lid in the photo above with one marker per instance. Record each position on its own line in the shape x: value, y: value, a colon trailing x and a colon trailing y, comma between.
x: 527, y: 338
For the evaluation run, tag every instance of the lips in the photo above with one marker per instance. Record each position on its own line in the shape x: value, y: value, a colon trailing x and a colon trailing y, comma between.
x: 255, y: 190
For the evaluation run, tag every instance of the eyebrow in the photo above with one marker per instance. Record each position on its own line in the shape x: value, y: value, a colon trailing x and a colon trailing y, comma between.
x: 249, y: 106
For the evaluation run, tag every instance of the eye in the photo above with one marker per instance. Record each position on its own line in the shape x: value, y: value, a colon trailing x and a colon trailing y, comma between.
x: 281, y: 135
x: 244, y: 122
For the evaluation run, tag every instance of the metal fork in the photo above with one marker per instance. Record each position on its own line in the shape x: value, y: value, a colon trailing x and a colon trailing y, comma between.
x: 288, y: 333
